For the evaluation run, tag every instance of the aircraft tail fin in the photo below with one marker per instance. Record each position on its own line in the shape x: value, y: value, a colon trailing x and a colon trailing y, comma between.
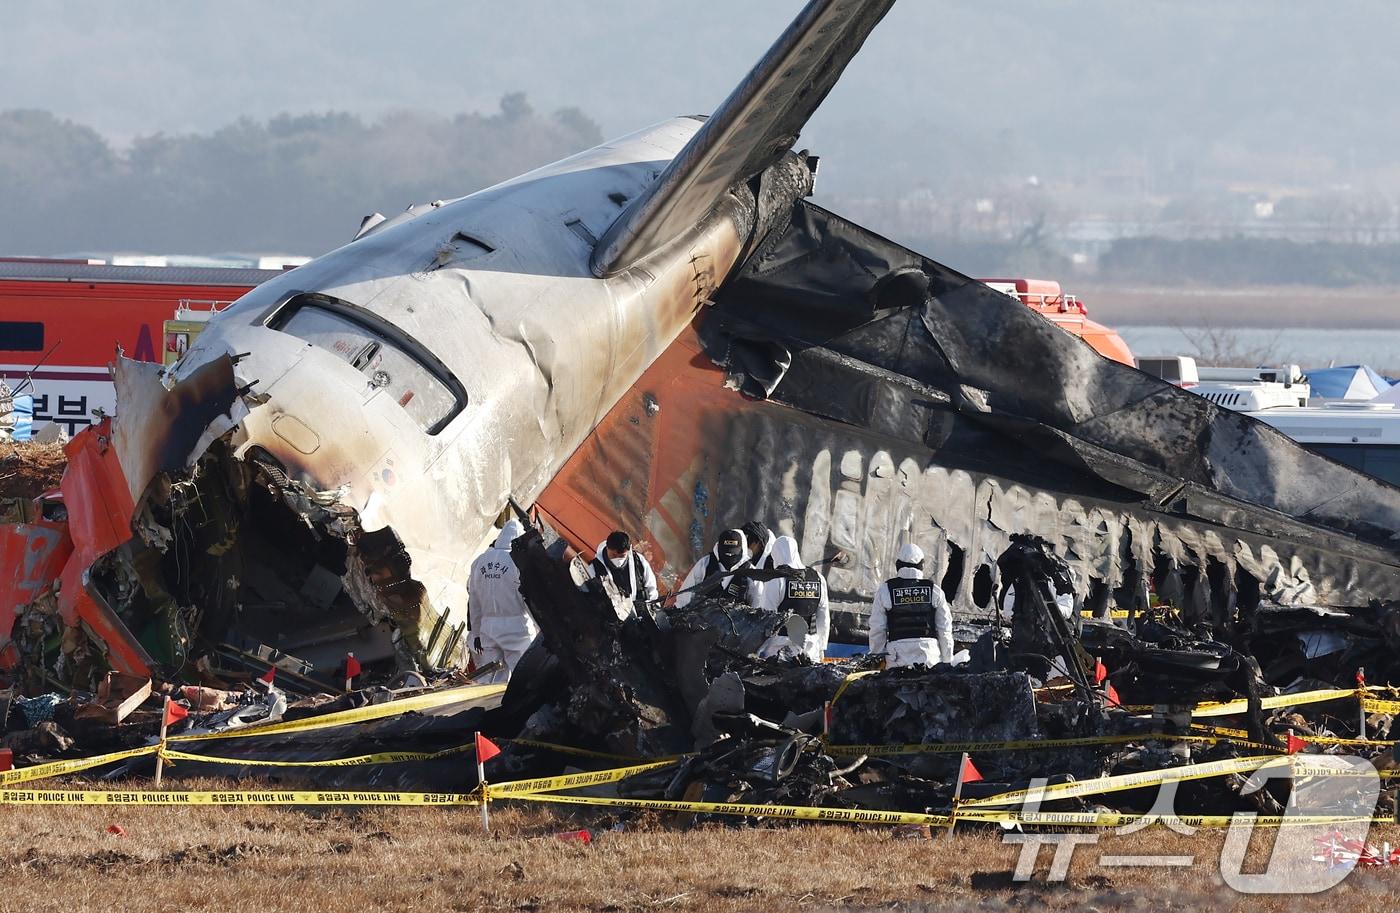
x: 750, y: 130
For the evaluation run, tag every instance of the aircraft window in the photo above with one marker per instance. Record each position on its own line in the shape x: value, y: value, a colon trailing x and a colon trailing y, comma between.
x: 389, y: 366
x: 577, y: 227
x: 21, y: 336
x: 480, y: 247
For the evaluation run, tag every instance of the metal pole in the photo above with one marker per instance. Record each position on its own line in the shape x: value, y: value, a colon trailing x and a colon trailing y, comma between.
x: 160, y: 752
x: 1360, y: 698
x: 957, y: 796
x: 481, y: 783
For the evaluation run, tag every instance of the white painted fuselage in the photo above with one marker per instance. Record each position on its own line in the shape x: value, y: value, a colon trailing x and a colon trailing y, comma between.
x: 497, y: 287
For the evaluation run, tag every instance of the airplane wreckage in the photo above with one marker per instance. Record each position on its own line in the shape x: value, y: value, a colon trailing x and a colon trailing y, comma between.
x: 663, y: 334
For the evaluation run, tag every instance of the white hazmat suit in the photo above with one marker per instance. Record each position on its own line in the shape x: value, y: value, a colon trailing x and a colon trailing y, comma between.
x: 501, y: 626
x: 796, y: 596
x: 747, y: 591
x: 923, y: 609
x: 627, y: 568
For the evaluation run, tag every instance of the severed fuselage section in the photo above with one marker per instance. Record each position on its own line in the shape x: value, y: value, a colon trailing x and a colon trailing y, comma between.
x: 857, y: 395
x: 314, y: 477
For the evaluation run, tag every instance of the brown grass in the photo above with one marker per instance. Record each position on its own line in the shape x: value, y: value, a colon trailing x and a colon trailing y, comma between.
x: 1289, y: 306
x: 430, y: 859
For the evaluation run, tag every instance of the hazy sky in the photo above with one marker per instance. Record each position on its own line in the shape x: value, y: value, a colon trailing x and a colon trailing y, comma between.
x: 939, y: 79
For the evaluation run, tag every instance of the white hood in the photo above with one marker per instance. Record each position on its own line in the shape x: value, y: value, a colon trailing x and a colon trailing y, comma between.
x: 785, y: 553
x: 509, y: 533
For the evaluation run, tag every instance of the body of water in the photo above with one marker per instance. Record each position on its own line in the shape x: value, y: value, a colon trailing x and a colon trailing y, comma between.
x: 1307, y: 346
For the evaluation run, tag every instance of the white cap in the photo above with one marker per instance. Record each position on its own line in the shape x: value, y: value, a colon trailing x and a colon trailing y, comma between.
x: 909, y: 553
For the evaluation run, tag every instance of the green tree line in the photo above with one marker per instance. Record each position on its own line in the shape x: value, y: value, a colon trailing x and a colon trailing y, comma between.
x: 292, y: 184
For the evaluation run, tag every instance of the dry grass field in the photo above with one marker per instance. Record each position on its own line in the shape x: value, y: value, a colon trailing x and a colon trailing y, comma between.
x: 1288, y: 306
x: 28, y: 470
x: 258, y: 860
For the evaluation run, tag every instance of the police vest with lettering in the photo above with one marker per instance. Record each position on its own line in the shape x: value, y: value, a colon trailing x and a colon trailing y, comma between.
x: 620, y: 575
x: 912, y: 613
x: 802, y: 596
x: 738, y: 587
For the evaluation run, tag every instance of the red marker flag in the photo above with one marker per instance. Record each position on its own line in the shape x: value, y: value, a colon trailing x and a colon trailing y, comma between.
x: 1100, y: 672
x: 1112, y: 695
x: 485, y: 749
x: 7, y: 759
x: 352, y: 665
x: 269, y: 676
x: 970, y: 773
x: 174, y: 712
x: 1295, y: 744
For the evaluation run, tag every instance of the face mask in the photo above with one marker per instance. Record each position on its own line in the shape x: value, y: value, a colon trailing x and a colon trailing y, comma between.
x: 618, y: 562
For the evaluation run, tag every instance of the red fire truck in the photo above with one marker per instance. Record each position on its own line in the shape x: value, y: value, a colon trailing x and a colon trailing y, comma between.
x: 61, y: 321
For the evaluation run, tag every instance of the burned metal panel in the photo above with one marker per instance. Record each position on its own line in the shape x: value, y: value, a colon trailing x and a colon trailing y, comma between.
x: 163, y: 428
x: 33, y: 556
x: 685, y: 455
x: 100, y: 511
x: 995, y: 357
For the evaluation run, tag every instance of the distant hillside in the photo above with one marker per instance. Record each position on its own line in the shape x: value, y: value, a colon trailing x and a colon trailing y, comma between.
x: 298, y: 184
x: 1157, y: 96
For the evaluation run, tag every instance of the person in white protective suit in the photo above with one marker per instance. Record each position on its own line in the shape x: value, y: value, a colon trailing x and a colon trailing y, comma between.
x: 804, y: 597
x: 501, y: 626
x: 631, y: 572
x: 910, y: 621
x: 731, y: 553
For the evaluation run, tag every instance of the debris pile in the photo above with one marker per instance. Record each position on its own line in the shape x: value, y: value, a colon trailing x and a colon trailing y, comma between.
x: 1048, y: 692
x: 1067, y: 700
x: 1046, y: 696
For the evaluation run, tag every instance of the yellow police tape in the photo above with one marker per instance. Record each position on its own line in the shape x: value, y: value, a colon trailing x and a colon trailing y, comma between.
x: 846, y: 683
x: 381, y: 757
x: 59, y: 768
x: 1229, y: 708
x: 231, y: 797
x: 428, y: 701
x: 1376, y: 705
x: 868, y: 816
x: 570, y: 781
x: 1241, y: 736
x: 1120, y: 782
x: 543, y: 789
x: 794, y: 812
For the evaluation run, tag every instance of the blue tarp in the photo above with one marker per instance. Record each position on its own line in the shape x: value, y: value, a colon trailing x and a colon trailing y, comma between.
x: 1334, y: 383
x: 24, y: 418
